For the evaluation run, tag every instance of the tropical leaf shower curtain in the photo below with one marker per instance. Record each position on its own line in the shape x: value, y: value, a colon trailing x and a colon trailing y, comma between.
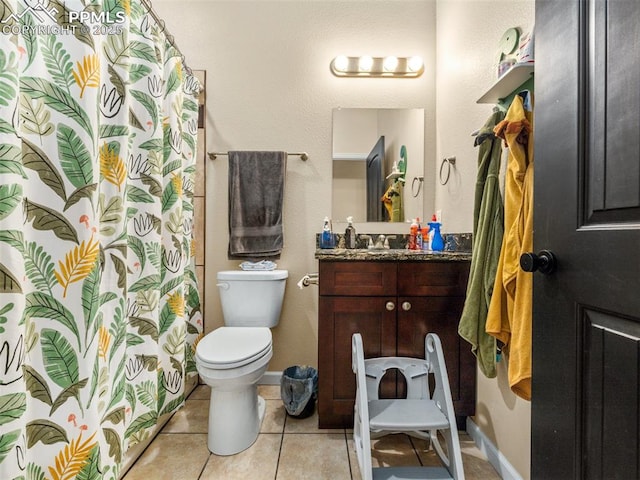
x: 99, y: 310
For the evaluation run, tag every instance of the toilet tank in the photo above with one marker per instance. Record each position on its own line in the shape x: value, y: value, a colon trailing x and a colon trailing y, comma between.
x: 251, y: 298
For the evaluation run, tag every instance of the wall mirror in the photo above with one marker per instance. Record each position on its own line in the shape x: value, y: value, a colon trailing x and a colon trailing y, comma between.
x: 378, y: 164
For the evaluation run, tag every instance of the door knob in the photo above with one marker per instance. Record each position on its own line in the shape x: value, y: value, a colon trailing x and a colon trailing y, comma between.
x: 406, y: 306
x: 390, y: 306
x: 544, y: 261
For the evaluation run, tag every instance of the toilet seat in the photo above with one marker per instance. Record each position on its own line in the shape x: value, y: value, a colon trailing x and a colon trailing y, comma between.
x: 233, y: 347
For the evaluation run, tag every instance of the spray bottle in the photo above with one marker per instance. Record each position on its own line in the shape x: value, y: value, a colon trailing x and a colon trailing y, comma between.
x: 437, y: 242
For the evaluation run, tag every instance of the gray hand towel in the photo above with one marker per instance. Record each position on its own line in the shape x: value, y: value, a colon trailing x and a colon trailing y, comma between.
x: 256, y: 195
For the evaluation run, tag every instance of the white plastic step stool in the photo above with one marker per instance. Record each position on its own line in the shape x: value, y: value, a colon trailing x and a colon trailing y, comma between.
x: 423, y: 414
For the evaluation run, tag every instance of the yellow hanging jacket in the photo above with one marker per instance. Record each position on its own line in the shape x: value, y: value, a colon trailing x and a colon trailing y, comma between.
x: 392, y: 200
x: 510, y: 312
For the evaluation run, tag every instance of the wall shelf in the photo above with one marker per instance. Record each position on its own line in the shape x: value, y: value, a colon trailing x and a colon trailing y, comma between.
x: 507, y: 83
x: 350, y: 156
x: 395, y: 175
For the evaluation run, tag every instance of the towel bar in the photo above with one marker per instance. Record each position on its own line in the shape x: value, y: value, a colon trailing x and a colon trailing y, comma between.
x: 303, y: 155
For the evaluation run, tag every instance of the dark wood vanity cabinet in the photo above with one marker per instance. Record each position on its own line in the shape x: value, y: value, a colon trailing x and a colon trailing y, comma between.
x: 393, y: 304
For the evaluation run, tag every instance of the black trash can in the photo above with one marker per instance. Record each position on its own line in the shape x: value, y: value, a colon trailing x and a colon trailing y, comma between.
x: 299, y: 390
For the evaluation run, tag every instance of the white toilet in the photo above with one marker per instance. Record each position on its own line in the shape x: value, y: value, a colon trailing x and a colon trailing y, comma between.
x: 232, y: 359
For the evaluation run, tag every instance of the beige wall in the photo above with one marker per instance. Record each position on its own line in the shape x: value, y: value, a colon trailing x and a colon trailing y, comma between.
x: 269, y: 87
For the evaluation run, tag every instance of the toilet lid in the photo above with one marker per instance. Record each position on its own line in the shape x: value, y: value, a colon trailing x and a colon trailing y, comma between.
x: 231, y: 347
x: 248, y: 275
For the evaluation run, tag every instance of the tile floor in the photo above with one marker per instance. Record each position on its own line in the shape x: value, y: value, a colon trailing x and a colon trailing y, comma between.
x: 287, y: 449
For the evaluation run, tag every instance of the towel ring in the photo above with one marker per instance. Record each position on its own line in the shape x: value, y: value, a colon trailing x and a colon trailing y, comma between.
x: 413, y: 183
x: 449, y: 161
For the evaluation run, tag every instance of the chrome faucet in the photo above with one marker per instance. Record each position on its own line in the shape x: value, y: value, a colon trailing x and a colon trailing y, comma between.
x: 386, y: 240
x: 382, y: 241
x: 367, y: 237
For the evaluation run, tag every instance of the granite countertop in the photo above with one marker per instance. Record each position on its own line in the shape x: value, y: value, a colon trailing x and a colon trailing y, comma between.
x: 394, y: 254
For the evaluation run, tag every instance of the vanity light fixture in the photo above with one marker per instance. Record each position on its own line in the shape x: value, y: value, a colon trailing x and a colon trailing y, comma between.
x: 366, y: 66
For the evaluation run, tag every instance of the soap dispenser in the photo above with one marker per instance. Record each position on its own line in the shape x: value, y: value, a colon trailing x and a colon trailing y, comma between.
x: 327, y: 239
x: 350, y: 234
x: 437, y: 242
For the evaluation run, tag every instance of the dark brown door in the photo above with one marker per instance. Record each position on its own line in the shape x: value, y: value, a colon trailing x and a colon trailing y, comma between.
x: 586, y: 315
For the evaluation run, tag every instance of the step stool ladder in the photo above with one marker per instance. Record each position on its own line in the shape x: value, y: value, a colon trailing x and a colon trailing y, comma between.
x: 423, y: 414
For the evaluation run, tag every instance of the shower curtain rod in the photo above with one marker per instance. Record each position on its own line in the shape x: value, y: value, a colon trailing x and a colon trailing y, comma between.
x: 170, y: 38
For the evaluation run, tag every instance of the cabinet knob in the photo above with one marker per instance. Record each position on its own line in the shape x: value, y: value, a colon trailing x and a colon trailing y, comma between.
x: 406, y: 306
x: 390, y: 306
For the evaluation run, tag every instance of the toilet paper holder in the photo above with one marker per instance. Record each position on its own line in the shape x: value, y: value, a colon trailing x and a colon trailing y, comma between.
x: 308, y: 279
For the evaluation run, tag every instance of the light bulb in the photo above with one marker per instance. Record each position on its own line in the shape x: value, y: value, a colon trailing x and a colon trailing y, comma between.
x: 341, y: 63
x: 390, y: 64
x: 365, y: 63
x: 414, y: 64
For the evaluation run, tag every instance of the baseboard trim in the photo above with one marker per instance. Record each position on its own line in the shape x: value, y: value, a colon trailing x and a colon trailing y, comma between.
x: 270, y: 378
x: 497, y: 459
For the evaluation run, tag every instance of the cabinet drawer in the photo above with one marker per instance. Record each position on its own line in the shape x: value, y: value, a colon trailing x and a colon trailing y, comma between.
x: 358, y: 278
x: 436, y: 279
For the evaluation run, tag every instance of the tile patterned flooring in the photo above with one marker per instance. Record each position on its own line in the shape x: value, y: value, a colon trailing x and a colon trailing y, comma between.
x: 286, y: 449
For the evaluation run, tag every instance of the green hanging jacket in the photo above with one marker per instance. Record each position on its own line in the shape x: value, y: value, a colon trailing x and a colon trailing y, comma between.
x: 488, y: 231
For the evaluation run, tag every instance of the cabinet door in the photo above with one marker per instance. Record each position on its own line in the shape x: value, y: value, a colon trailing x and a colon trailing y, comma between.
x: 418, y: 316
x: 339, y: 319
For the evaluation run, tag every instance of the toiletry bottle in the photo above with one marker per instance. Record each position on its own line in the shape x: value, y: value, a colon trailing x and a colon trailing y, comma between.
x: 326, y: 238
x: 425, y: 238
x: 350, y: 234
x: 413, y: 233
x: 419, y: 238
x: 437, y: 243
